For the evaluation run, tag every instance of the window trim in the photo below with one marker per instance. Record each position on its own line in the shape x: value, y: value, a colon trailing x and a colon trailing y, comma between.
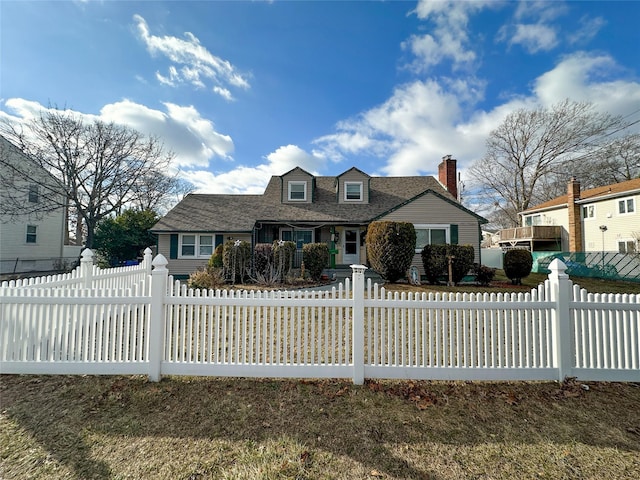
x: 33, y: 234
x: 360, y: 186
x: 294, y: 231
x: 433, y: 226
x: 196, y: 246
x: 591, y: 206
x: 34, y: 193
x: 624, y: 202
x: 290, y: 184
x: 625, y: 242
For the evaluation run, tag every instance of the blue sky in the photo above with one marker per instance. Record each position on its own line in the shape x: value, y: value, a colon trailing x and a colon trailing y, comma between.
x: 241, y: 90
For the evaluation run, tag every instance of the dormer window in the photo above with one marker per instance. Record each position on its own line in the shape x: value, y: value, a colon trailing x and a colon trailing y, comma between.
x: 353, y: 191
x: 298, y: 191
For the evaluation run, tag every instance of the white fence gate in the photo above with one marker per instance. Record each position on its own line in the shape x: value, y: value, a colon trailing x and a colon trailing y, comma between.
x: 157, y: 327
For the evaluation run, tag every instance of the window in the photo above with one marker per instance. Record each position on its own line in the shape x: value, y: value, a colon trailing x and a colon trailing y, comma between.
x: 34, y: 194
x: 532, y: 220
x: 188, y: 248
x: 589, y: 211
x: 431, y: 235
x: 32, y: 233
x: 298, y: 191
x: 196, y: 246
x: 353, y: 190
x: 300, y: 237
x: 626, y: 205
x: 627, y: 246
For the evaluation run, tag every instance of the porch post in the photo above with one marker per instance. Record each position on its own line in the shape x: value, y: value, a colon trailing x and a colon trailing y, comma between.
x: 358, y: 323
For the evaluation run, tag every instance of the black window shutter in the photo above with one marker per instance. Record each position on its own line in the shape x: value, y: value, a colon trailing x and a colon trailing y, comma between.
x: 173, y: 246
x: 453, y: 230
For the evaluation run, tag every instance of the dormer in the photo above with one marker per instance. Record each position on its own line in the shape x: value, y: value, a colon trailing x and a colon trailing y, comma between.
x: 298, y: 186
x: 352, y: 186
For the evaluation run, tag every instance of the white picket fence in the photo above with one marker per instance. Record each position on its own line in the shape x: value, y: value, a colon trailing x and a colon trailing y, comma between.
x: 158, y: 327
x: 88, y: 275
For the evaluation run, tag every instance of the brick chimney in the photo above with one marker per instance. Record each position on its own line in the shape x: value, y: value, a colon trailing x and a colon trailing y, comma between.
x: 447, y: 175
x: 575, y: 217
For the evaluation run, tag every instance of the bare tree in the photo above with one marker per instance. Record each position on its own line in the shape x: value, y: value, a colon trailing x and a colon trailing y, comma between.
x: 531, y: 154
x: 98, y: 167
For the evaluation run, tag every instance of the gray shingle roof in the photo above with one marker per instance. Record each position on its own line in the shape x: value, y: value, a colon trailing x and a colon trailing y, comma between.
x: 239, y: 213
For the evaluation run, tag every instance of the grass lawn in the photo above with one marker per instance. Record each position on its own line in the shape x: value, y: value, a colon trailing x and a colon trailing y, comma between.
x: 124, y: 427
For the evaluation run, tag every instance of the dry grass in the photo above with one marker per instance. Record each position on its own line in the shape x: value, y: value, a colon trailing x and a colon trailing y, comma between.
x: 83, y: 427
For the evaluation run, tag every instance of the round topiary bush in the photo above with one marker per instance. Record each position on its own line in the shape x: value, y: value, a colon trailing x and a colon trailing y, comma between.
x: 435, y: 260
x: 390, y: 248
x: 316, y: 258
x: 517, y: 265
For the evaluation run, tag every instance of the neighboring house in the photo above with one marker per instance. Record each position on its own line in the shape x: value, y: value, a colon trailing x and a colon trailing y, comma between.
x: 602, y: 219
x: 304, y: 208
x: 28, y: 242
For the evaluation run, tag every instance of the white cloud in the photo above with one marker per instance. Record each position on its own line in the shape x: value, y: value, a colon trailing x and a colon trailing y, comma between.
x: 589, y: 28
x: 192, y: 138
x: 425, y: 120
x: 449, y: 38
x: 192, y: 63
x: 245, y: 179
x: 534, y: 37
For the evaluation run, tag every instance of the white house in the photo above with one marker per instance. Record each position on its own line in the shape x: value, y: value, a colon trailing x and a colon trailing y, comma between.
x: 28, y: 241
x: 601, y: 219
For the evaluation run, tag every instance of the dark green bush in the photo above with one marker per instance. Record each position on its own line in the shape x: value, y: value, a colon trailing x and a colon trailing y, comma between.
x: 390, y: 248
x: 263, y: 258
x: 484, y: 274
x: 435, y: 260
x: 517, y: 265
x: 236, y: 258
x: 316, y: 258
x: 215, y: 260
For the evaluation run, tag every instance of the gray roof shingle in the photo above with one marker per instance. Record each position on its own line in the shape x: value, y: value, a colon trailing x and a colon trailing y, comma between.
x: 239, y: 213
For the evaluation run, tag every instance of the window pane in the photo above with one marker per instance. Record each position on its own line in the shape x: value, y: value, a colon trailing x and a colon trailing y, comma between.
x: 438, y: 236
x: 287, y: 235
x: 422, y: 238
x: 188, y: 250
x: 32, y: 233
x: 33, y: 194
x: 297, y: 191
x: 621, y: 208
x: 630, y: 205
x: 354, y: 191
x: 188, y: 239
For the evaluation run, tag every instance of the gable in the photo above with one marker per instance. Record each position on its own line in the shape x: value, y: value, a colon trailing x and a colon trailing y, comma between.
x: 353, y: 186
x: 298, y: 186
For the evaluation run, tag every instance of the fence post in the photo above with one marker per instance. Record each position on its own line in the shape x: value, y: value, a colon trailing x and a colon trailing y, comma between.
x: 156, y: 316
x: 146, y: 260
x: 561, y: 296
x: 86, y: 268
x: 358, y: 323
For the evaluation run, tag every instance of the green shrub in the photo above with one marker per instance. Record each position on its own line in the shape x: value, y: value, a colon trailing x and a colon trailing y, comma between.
x: 435, y: 260
x: 236, y: 258
x: 484, y: 274
x: 517, y: 265
x: 263, y: 258
x: 316, y: 258
x: 390, y: 248
x: 283, y: 255
x: 215, y: 260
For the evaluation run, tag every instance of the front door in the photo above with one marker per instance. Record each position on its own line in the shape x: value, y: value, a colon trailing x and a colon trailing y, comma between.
x: 351, y: 247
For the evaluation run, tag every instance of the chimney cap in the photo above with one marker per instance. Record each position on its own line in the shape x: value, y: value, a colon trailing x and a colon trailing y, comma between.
x: 447, y: 157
